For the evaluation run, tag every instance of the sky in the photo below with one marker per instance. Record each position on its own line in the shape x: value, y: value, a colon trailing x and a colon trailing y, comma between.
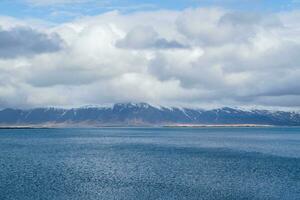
x: 192, y: 53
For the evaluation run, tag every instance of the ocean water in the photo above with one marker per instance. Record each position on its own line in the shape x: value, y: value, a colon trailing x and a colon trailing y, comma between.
x: 150, y: 163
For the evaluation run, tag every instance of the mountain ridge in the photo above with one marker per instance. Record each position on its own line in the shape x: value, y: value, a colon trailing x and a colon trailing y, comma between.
x: 139, y: 114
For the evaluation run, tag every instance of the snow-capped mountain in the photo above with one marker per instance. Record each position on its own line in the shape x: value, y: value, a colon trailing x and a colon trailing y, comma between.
x: 127, y: 114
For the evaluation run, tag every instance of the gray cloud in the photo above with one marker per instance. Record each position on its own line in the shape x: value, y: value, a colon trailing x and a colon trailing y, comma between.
x: 214, y: 27
x: 24, y: 41
x: 145, y: 37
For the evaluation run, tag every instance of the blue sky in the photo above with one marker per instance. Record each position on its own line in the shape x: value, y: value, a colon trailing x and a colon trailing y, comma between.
x: 60, y: 12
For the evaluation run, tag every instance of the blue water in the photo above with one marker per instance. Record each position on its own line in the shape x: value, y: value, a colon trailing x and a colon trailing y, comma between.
x: 150, y: 163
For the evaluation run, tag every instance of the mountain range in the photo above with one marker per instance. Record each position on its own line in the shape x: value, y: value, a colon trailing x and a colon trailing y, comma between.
x: 143, y: 114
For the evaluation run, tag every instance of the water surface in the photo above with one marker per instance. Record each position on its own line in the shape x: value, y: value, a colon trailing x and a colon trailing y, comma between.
x: 150, y: 163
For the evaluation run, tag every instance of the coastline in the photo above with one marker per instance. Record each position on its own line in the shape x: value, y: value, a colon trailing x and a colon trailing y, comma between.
x: 216, y: 125
x: 136, y: 126
x: 23, y: 127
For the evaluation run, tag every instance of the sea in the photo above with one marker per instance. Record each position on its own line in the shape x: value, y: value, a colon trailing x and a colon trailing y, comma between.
x: 150, y: 163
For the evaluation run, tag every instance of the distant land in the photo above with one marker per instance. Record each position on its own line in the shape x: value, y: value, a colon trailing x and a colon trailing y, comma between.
x: 143, y: 114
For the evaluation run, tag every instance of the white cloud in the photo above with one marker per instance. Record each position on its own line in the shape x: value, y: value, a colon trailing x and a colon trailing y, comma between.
x: 191, y: 57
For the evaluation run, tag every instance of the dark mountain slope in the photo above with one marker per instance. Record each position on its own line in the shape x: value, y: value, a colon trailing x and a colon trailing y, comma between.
x: 145, y: 114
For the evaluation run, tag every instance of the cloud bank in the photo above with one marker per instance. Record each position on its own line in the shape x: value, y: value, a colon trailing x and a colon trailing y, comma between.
x: 195, y: 57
